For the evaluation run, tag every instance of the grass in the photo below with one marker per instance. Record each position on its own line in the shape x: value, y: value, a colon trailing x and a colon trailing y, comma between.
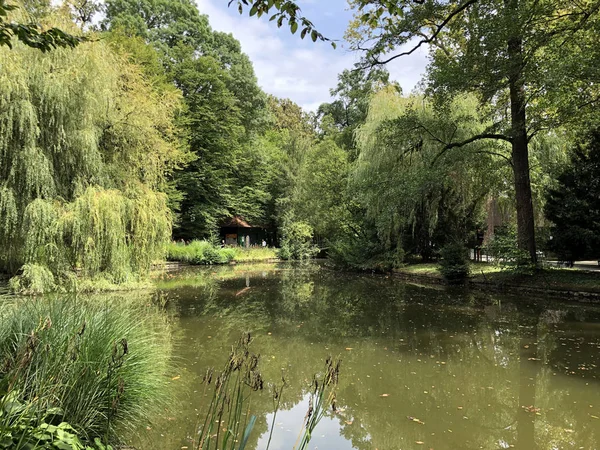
x: 254, y: 254
x: 205, y: 253
x: 547, y: 278
x: 100, y: 366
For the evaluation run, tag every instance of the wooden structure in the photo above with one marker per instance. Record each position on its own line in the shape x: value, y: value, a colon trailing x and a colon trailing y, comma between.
x: 235, y: 231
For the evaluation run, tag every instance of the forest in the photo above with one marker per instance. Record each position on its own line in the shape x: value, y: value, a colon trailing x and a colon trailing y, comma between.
x: 134, y: 135
x: 128, y: 125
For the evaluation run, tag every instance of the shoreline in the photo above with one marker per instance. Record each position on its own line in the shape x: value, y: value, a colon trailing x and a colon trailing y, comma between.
x: 512, y: 286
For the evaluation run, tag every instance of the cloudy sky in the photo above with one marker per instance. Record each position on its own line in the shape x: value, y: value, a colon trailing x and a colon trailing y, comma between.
x: 303, y: 71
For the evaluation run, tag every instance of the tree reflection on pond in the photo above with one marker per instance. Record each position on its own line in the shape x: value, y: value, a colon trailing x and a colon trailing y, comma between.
x: 449, y: 368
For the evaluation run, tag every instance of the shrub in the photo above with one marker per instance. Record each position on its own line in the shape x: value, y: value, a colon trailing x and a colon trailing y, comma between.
x: 454, y: 265
x: 99, y: 366
x: 363, y: 254
x: 297, y: 241
x: 504, y: 250
x: 199, y: 253
x: 33, y: 280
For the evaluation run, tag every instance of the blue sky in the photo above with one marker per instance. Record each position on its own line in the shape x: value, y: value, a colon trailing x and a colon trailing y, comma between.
x: 303, y: 71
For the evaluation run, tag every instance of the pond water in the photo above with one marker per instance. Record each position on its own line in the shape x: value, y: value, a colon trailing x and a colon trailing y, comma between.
x: 422, y: 367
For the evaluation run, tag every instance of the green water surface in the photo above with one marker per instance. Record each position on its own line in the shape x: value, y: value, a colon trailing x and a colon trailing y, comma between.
x: 422, y: 367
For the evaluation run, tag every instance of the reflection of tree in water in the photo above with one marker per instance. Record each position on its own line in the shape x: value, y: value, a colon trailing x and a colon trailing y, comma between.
x: 462, y: 363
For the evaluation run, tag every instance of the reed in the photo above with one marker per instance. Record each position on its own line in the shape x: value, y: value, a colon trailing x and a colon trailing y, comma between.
x: 228, y: 423
x: 100, y: 366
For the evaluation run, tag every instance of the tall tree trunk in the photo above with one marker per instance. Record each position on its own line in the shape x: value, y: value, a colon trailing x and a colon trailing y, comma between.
x: 520, y: 151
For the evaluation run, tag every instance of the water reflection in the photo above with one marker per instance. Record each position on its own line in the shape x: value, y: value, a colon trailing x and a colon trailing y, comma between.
x: 446, y: 368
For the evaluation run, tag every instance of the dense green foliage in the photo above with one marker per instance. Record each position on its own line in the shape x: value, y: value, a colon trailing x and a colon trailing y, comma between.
x: 86, y: 147
x: 573, y: 205
x: 224, y: 118
x: 159, y: 130
x: 454, y: 263
x: 32, y: 34
x: 100, y: 366
x: 199, y: 252
x: 513, y: 55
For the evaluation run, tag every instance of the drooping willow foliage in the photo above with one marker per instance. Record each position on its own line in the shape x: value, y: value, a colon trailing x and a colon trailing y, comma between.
x: 413, y: 189
x: 86, y: 146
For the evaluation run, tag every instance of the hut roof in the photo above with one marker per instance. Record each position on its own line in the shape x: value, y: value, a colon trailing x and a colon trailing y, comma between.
x: 236, y: 222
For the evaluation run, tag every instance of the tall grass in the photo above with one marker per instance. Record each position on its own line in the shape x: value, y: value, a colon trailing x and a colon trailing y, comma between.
x: 204, y: 252
x: 228, y: 422
x: 199, y: 252
x: 100, y: 366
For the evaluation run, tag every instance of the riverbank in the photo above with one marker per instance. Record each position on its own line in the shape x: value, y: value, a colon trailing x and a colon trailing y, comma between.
x: 558, y: 282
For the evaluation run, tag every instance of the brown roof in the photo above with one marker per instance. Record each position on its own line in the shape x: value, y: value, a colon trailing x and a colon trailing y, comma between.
x: 236, y: 222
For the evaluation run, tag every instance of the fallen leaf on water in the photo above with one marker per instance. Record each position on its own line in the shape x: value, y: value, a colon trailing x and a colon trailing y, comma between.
x: 414, y: 419
x: 419, y: 442
x: 176, y: 378
x: 594, y: 417
x: 349, y: 422
x: 348, y: 348
x: 384, y: 395
x: 459, y: 407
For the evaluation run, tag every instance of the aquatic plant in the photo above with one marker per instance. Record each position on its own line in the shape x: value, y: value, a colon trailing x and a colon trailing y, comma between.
x: 228, y: 422
x: 100, y: 366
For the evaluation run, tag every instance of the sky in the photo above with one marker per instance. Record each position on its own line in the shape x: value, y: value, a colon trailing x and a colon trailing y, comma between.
x: 301, y: 70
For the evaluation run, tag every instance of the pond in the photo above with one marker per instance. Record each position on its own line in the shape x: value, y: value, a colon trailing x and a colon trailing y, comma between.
x: 422, y: 367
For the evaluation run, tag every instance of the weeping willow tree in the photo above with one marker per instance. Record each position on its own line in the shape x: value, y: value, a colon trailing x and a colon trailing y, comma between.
x: 418, y: 193
x: 86, y: 148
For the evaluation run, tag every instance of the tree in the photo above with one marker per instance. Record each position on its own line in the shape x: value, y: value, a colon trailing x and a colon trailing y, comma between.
x: 32, y: 34
x: 287, y: 11
x: 574, y: 204
x: 224, y: 117
x: 509, y: 52
x: 417, y: 199
x: 86, y: 147
x: 514, y: 54
x: 352, y: 95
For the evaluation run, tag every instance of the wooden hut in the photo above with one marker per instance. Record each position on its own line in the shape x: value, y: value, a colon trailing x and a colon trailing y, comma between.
x: 235, y: 231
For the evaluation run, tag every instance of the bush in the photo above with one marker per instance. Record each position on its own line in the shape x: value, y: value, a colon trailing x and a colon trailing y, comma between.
x: 297, y: 242
x: 100, y: 366
x: 199, y: 253
x: 454, y: 265
x: 362, y: 254
x: 33, y: 280
x: 504, y: 250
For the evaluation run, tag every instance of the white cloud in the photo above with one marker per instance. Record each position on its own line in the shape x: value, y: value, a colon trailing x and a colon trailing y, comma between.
x: 291, y: 68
